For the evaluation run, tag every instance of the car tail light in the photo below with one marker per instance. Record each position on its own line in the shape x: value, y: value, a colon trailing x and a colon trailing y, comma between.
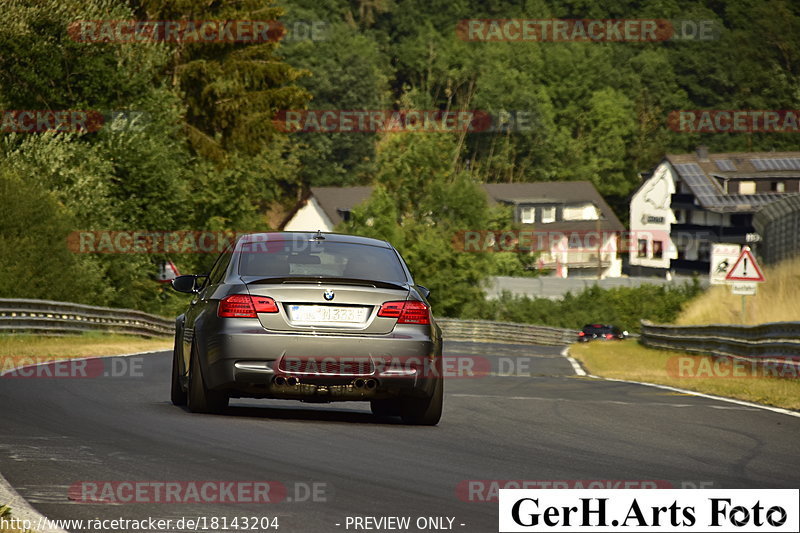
x: 406, y: 312
x: 581, y: 334
x: 609, y: 336
x: 245, y: 306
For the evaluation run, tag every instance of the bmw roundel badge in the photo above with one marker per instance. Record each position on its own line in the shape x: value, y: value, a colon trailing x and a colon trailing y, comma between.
x: 328, y: 295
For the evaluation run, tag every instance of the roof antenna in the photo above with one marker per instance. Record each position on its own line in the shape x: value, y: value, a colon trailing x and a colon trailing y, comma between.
x: 319, y: 236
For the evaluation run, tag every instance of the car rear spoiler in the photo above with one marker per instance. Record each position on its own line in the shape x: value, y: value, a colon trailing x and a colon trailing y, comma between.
x: 321, y: 280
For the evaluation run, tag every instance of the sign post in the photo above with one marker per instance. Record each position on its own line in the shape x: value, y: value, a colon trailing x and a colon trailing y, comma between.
x: 743, y: 276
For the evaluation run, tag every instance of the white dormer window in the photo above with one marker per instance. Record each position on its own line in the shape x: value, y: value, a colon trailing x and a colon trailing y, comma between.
x: 747, y: 187
x: 527, y: 215
x: 548, y: 215
x: 580, y: 212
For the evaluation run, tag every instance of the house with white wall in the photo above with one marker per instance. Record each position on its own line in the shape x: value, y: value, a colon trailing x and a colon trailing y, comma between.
x: 582, y: 232
x: 691, y: 201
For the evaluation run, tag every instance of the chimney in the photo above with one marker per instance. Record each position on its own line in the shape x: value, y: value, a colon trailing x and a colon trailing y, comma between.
x: 702, y: 152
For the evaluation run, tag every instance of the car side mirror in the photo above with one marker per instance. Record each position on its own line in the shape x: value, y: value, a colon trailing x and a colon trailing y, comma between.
x: 425, y: 291
x: 186, y: 283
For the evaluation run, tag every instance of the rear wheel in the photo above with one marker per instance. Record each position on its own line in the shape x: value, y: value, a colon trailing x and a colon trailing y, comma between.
x: 424, y: 411
x: 385, y: 407
x: 177, y: 394
x: 201, y: 399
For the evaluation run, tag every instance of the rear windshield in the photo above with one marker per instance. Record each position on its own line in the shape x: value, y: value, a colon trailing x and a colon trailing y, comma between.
x: 327, y: 259
x: 598, y: 329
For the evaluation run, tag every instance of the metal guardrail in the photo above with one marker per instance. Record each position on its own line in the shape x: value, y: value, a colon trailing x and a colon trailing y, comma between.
x: 509, y: 332
x: 775, y: 340
x: 59, y: 318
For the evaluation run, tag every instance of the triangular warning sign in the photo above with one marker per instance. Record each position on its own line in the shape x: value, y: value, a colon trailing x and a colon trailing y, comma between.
x: 745, y: 268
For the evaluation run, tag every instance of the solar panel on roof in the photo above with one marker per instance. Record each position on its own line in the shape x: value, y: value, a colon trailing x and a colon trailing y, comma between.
x: 697, y: 180
x: 710, y: 197
x: 725, y: 165
x: 776, y: 163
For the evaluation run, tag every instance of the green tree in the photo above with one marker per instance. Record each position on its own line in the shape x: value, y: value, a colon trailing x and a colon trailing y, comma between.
x: 231, y: 89
x: 35, y: 262
x: 419, y: 205
x: 348, y: 72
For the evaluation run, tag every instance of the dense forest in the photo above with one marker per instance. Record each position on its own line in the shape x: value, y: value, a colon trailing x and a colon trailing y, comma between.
x: 188, y: 140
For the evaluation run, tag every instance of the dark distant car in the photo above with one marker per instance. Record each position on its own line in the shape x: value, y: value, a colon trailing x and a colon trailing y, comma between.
x: 601, y: 331
x: 311, y: 317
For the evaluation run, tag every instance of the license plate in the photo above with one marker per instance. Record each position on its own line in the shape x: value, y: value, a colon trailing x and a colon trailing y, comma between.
x: 323, y: 314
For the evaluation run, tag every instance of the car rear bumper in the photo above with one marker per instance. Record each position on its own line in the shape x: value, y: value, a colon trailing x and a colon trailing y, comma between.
x: 244, y: 359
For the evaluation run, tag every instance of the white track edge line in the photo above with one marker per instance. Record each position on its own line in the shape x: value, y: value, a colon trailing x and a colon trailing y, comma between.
x: 576, y: 366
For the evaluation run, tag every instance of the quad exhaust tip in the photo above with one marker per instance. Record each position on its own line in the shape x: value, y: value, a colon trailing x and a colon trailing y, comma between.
x: 359, y: 383
x: 291, y: 381
x: 368, y: 384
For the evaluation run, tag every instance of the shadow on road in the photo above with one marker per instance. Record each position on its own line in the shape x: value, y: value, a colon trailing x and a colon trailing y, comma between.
x: 300, y: 414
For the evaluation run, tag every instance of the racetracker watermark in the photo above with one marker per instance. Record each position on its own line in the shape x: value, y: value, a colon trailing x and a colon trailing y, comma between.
x: 41, y: 120
x: 184, y: 242
x: 386, y: 120
x: 99, y: 367
x: 373, y: 121
x: 735, y: 121
x: 687, y: 366
x: 117, y: 492
x: 306, y: 30
x: 488, y: 490
x: 176, y: 31
x: 527, y: 241
x: 387, y: 367
x: 586, y: 30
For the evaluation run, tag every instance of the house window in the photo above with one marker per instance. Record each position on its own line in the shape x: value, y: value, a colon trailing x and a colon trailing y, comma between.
x: 747, y: 187
x: 642, y: 250
x: 527, y: 215
x: 548, y: 215
x: 658, y: 249
x: 704, y: 251
x: 778, y: 186
x: 698, y: 217
x: 580, y: 212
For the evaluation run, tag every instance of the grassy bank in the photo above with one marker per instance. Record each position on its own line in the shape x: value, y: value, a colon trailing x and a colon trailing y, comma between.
x: 7, y: 522
x: 777, y: 300
x: 632, y: 361
x: 23, y: 348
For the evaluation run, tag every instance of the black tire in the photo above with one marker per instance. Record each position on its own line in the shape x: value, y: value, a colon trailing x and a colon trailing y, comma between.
x: 385, y: 407
x: 177, y: 394
x: 424, y: 411
x: 201, y: 399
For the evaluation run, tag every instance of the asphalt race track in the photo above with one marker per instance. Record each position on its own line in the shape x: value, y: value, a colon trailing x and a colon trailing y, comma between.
x: 540, y: 422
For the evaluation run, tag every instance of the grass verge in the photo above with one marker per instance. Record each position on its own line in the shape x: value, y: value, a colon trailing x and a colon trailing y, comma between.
x: 8, y: 524
x: 632, y: 361
x: 775, y: 301
x: 22, y: 349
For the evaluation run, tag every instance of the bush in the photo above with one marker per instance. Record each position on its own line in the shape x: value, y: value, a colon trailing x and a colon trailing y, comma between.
x: 623, y: 306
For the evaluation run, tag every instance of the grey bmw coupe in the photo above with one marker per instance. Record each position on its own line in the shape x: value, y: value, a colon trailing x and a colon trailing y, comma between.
x: 315, y: 317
